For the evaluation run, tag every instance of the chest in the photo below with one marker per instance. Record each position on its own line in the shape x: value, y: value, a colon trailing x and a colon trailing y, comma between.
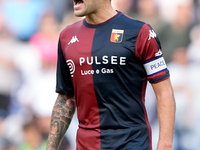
x: 100, y: 47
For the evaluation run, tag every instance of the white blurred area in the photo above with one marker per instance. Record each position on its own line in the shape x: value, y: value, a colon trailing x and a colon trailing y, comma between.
x: 28, y: 55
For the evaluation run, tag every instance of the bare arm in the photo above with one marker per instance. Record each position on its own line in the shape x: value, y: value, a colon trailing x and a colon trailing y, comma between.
x: 62, y: 114
x: 166, y: 113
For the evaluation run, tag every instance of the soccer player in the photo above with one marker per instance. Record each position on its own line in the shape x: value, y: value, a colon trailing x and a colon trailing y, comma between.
x: 104, y: 63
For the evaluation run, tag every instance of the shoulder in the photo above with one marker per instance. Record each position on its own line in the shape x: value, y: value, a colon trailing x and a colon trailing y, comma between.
x: 71, y: 28
x: 131, y: 23
x: 141, y: 28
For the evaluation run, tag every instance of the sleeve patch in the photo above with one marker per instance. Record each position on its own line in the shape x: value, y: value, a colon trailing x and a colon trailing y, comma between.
x: 155, y: 66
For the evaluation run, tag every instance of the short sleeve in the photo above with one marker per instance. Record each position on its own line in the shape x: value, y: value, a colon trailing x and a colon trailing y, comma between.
x: 63, y: 78
x: 149, y: 51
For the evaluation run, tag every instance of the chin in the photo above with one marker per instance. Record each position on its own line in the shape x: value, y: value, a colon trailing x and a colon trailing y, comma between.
x: 78, y: 14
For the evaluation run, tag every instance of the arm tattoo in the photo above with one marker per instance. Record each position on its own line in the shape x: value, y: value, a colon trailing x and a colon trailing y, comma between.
x: 62, y: 114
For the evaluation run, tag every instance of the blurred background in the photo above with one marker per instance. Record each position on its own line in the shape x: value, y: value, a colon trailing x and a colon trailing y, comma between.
x: 29, y: 31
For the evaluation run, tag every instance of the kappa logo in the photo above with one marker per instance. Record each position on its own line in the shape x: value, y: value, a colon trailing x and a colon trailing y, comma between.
x: 159, y: 53
x: 73, y: 40
x: 152, y: 34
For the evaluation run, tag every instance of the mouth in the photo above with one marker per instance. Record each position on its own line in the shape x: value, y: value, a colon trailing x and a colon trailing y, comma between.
x: 78, y: 2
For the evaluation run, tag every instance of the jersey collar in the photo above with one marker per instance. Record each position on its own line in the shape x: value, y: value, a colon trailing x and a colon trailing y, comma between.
x: 102, y: 24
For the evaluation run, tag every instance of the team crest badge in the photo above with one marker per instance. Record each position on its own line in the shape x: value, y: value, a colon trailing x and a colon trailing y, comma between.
x: 116, y: 36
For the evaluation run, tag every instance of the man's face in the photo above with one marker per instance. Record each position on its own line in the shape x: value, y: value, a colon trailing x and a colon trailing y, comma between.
x: 86, y: 7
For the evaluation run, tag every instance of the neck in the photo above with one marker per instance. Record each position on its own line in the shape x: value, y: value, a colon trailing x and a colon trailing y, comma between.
x: 101, y: 15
